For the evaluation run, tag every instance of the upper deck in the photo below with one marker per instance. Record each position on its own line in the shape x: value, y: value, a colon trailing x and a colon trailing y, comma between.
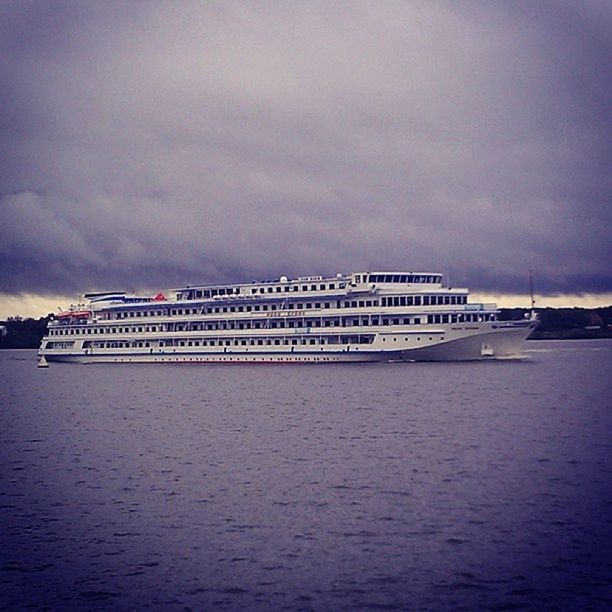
x: 316, y: 284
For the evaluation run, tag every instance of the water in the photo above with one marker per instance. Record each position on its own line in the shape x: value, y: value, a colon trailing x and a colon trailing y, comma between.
x: 323, y: 487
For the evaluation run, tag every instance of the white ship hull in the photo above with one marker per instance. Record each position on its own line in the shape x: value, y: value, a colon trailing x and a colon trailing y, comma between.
x: 501, y: 343
x: 362, y: 317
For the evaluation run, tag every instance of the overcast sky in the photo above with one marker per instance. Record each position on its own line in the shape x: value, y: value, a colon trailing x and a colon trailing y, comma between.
x: 150, y: 145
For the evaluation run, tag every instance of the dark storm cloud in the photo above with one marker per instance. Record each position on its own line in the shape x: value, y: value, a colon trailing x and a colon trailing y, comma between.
x: 154, y: 144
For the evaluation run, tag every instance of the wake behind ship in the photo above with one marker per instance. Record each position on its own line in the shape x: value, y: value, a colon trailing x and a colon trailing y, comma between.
x: 363, y: 316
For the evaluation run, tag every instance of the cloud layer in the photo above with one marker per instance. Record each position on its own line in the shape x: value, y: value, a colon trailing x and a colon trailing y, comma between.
x: 154, y: 144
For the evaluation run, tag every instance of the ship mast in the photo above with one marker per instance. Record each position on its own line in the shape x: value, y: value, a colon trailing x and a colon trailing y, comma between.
x: 531, y: 295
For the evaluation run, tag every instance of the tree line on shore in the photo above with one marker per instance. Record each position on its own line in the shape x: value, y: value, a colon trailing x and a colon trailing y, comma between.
x: 554, y: 323
x: 566, y: 323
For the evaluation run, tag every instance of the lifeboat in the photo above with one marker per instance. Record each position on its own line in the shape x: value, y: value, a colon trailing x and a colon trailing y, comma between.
x: 74, y: 314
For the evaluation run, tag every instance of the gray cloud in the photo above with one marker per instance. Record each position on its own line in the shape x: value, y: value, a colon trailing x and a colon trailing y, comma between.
x: 154, y: 144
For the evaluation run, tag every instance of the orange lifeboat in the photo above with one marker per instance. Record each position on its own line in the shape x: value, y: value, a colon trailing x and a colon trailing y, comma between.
x: 74, y: 314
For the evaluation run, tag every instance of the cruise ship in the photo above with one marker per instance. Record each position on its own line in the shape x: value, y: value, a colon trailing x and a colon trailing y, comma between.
x: 362, y: 316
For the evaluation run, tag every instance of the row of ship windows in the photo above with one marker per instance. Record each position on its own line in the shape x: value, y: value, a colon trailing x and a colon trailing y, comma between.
x: 427, y: 300
x: 195, y: 294
x: 282, y: 324
x: 225, y: 343
x: 243, y: 325
x: 405, y: 300
x: 355, y: 339
x: 400, y: 278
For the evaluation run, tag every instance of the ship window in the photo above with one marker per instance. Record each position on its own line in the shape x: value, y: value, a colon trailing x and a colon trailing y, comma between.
x: 304, y: 287
x: 425, y: 300
x: 317, y: 305
x: 417, y: 300
x: 277, y: 342
x: 397, y: 278
x: 313, y: 287
x: 417, y: 320
x: 354, y: 304
x: 361, y: 303
x: 447, y: 299
x: 294, y: 288
x: 270, y: 289
x: 308, y: 305
x: 299, y: 306
x: 332, y: 286
x: 278, y: 289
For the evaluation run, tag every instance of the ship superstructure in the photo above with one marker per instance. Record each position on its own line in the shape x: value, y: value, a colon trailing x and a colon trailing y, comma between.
x: 363, y: 316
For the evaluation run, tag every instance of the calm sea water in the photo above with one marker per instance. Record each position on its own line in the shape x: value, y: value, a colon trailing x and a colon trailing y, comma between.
x: 323, y: 487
